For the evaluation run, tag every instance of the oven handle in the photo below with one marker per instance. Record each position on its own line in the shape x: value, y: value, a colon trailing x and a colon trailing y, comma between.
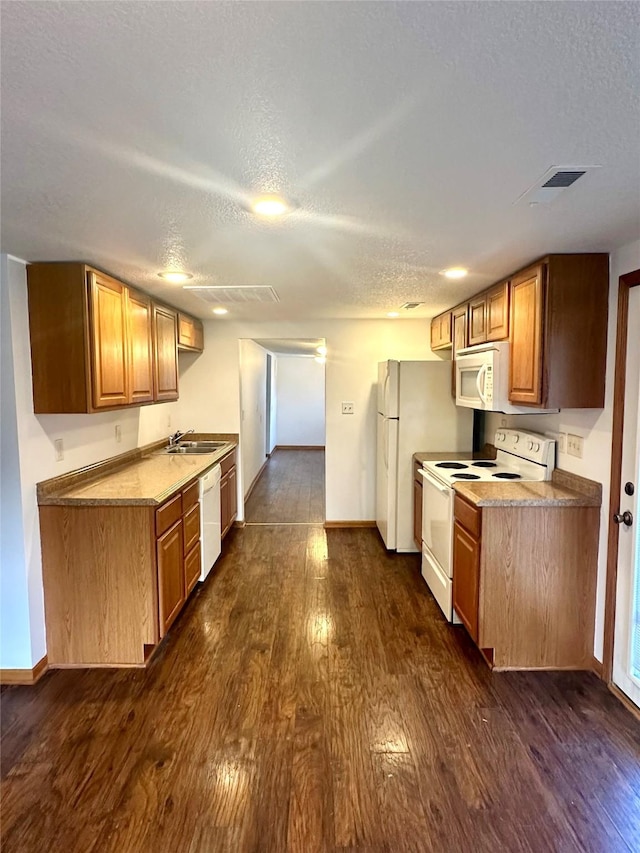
x: 439, y: 486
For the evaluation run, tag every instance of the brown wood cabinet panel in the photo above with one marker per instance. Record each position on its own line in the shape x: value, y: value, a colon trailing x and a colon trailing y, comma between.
x: 59, y: 337
x: 165, y: 353
x: 467, y: 515
x: 191, y: 527
x: 441, y: 331
x: 233, y: 495
x: 168, y: 514
x: 466, y: 578
x: 190, y: 333
x: 171, y: 587
x: 190, y: 496
x: 417, y: 513
x: 99, y: 584
x: 477, y: 320
x: 192, y: 569
x: 497, y: 312
x: 460, y: 338
x: 527, y: 305
x: 225, y: 508
x: 140, y: 348
x: 109, y: 351
x: 227, y: 462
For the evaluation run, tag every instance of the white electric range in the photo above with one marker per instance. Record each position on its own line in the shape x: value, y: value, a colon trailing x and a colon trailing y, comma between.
x: 520, y: 456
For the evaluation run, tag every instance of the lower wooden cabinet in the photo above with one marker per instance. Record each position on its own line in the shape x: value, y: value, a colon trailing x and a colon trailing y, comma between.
x: 171, y: 586
x: 417, y: 506
x: 116, y: 577
x: 228, y: 492
x: 524, y: 583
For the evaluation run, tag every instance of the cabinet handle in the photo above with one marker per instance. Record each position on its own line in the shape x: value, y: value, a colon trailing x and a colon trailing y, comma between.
x: 626, y: 518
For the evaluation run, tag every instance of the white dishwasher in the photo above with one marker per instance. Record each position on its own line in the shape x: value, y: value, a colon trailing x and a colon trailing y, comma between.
x: 210, y: 521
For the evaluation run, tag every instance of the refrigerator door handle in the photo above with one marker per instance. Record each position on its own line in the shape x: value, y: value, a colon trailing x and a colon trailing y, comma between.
x: 385, y: 443
x: 385, y: 400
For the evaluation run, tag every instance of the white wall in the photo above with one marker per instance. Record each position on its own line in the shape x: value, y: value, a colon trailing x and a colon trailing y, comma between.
x: 273, y: 413
x: 594, y: 425
x: 210, y: 396
x: 86, y: 439
x: 300, y: 401
x: 253, y: 401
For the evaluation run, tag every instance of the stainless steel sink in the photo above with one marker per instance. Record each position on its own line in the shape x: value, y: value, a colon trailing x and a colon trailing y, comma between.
x: 196, y: 447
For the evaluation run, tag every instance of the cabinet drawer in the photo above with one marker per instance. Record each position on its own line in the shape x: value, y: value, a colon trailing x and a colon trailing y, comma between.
x: 190, y: 496
x: 168, y: 514
x: 191, y: 529
x: 227, y: 462
x: 468, y: 516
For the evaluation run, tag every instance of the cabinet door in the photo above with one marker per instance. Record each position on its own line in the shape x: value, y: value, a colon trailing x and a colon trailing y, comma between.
x: 192, y: 568
x: 165, y: 322
x: 525, y: 368
x: 459, y: 324
x: 108, y: 330
x: 466, y: 578
x: 233, y: 495
x: 478, y: 320
x: 191, y: 527
x: 417, y: 513
x: 140, y: 348
x: 441, y: 331
x: 171, y: 590
x: 497, y: 312
x: 225, y: 508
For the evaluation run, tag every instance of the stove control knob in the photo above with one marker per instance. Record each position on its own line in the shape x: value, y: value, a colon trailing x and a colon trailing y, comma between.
x: 516, y: 439
x: 536, y: 446
x: 530, y: 445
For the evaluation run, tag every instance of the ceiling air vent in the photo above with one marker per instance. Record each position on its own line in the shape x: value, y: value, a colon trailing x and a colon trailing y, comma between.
x: 554, y: 181
x: 409, y: 306
x: 234, y: 295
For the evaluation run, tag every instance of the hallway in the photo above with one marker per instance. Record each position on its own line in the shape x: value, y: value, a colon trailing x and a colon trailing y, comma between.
x: 290, y: 489
x: 311, y: 698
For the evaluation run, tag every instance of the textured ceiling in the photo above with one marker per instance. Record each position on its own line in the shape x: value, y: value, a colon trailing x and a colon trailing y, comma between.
x: 132, y: 134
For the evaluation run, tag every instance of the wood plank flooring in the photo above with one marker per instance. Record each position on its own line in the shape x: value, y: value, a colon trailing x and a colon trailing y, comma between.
x: 312, y: 698
x: 291, y: 489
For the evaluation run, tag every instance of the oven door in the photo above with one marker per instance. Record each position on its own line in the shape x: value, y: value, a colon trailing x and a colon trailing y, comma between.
x: 437, y: 521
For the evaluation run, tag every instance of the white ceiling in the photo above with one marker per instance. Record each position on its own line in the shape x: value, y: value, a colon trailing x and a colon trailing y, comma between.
x: 133, y: 132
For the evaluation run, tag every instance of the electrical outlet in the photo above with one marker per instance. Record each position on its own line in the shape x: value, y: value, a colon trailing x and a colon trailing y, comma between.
x: 347, y: 408
x: 168, y: 421
x: 562, y: 442
x: 574, y: 445
x: 503, y: 422
x: 118, y: 433
x: 59, y: 447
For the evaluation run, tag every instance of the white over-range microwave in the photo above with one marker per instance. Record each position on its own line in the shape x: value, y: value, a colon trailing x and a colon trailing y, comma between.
x: 482, y: 380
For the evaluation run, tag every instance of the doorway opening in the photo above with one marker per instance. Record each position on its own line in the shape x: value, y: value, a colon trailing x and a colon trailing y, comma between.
x: 282, y: 430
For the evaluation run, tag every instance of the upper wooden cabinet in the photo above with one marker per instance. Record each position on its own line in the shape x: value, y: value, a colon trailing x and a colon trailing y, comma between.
x: 108, y: 333
x: 554, y: 313
x: 559, y: 311
x: 497, y: 312
x: 489, y: 315
x: 441, y: 331
x: 165, y: 361
x: 190, y: 333
x: 97, y: 343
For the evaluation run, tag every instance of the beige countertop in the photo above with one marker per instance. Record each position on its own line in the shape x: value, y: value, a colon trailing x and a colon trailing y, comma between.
x: 550, y: 493
x: 149, y: 480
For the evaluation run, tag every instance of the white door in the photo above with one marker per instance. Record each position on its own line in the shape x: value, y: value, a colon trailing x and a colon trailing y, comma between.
x: 626, y: 649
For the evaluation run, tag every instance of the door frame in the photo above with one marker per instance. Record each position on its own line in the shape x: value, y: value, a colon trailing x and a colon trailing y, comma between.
x: 625, y: 283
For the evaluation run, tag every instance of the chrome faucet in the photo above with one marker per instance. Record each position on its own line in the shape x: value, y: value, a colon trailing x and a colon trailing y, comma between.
x: 175, y: 438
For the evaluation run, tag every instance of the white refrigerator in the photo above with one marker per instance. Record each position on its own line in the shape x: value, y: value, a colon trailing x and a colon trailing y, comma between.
x: 416, y: 413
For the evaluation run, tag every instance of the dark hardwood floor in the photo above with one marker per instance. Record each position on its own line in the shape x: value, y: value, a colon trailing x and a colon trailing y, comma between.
x: 291, y: 489
x: 312, y: 698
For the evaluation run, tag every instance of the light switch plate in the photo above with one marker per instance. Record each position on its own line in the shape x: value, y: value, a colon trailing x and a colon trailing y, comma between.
x: 347, y: 408
x: 118, y: 433
x: 574, y: 445
x: 59, y: 448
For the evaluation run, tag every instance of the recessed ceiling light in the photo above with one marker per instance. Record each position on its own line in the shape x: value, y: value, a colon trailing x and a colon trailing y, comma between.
x: 321, y: 350
x: 270, y: 205
x: 454, y: 272
x: 220, y: 311
x: 393, y: 314
x: 175, y: 277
